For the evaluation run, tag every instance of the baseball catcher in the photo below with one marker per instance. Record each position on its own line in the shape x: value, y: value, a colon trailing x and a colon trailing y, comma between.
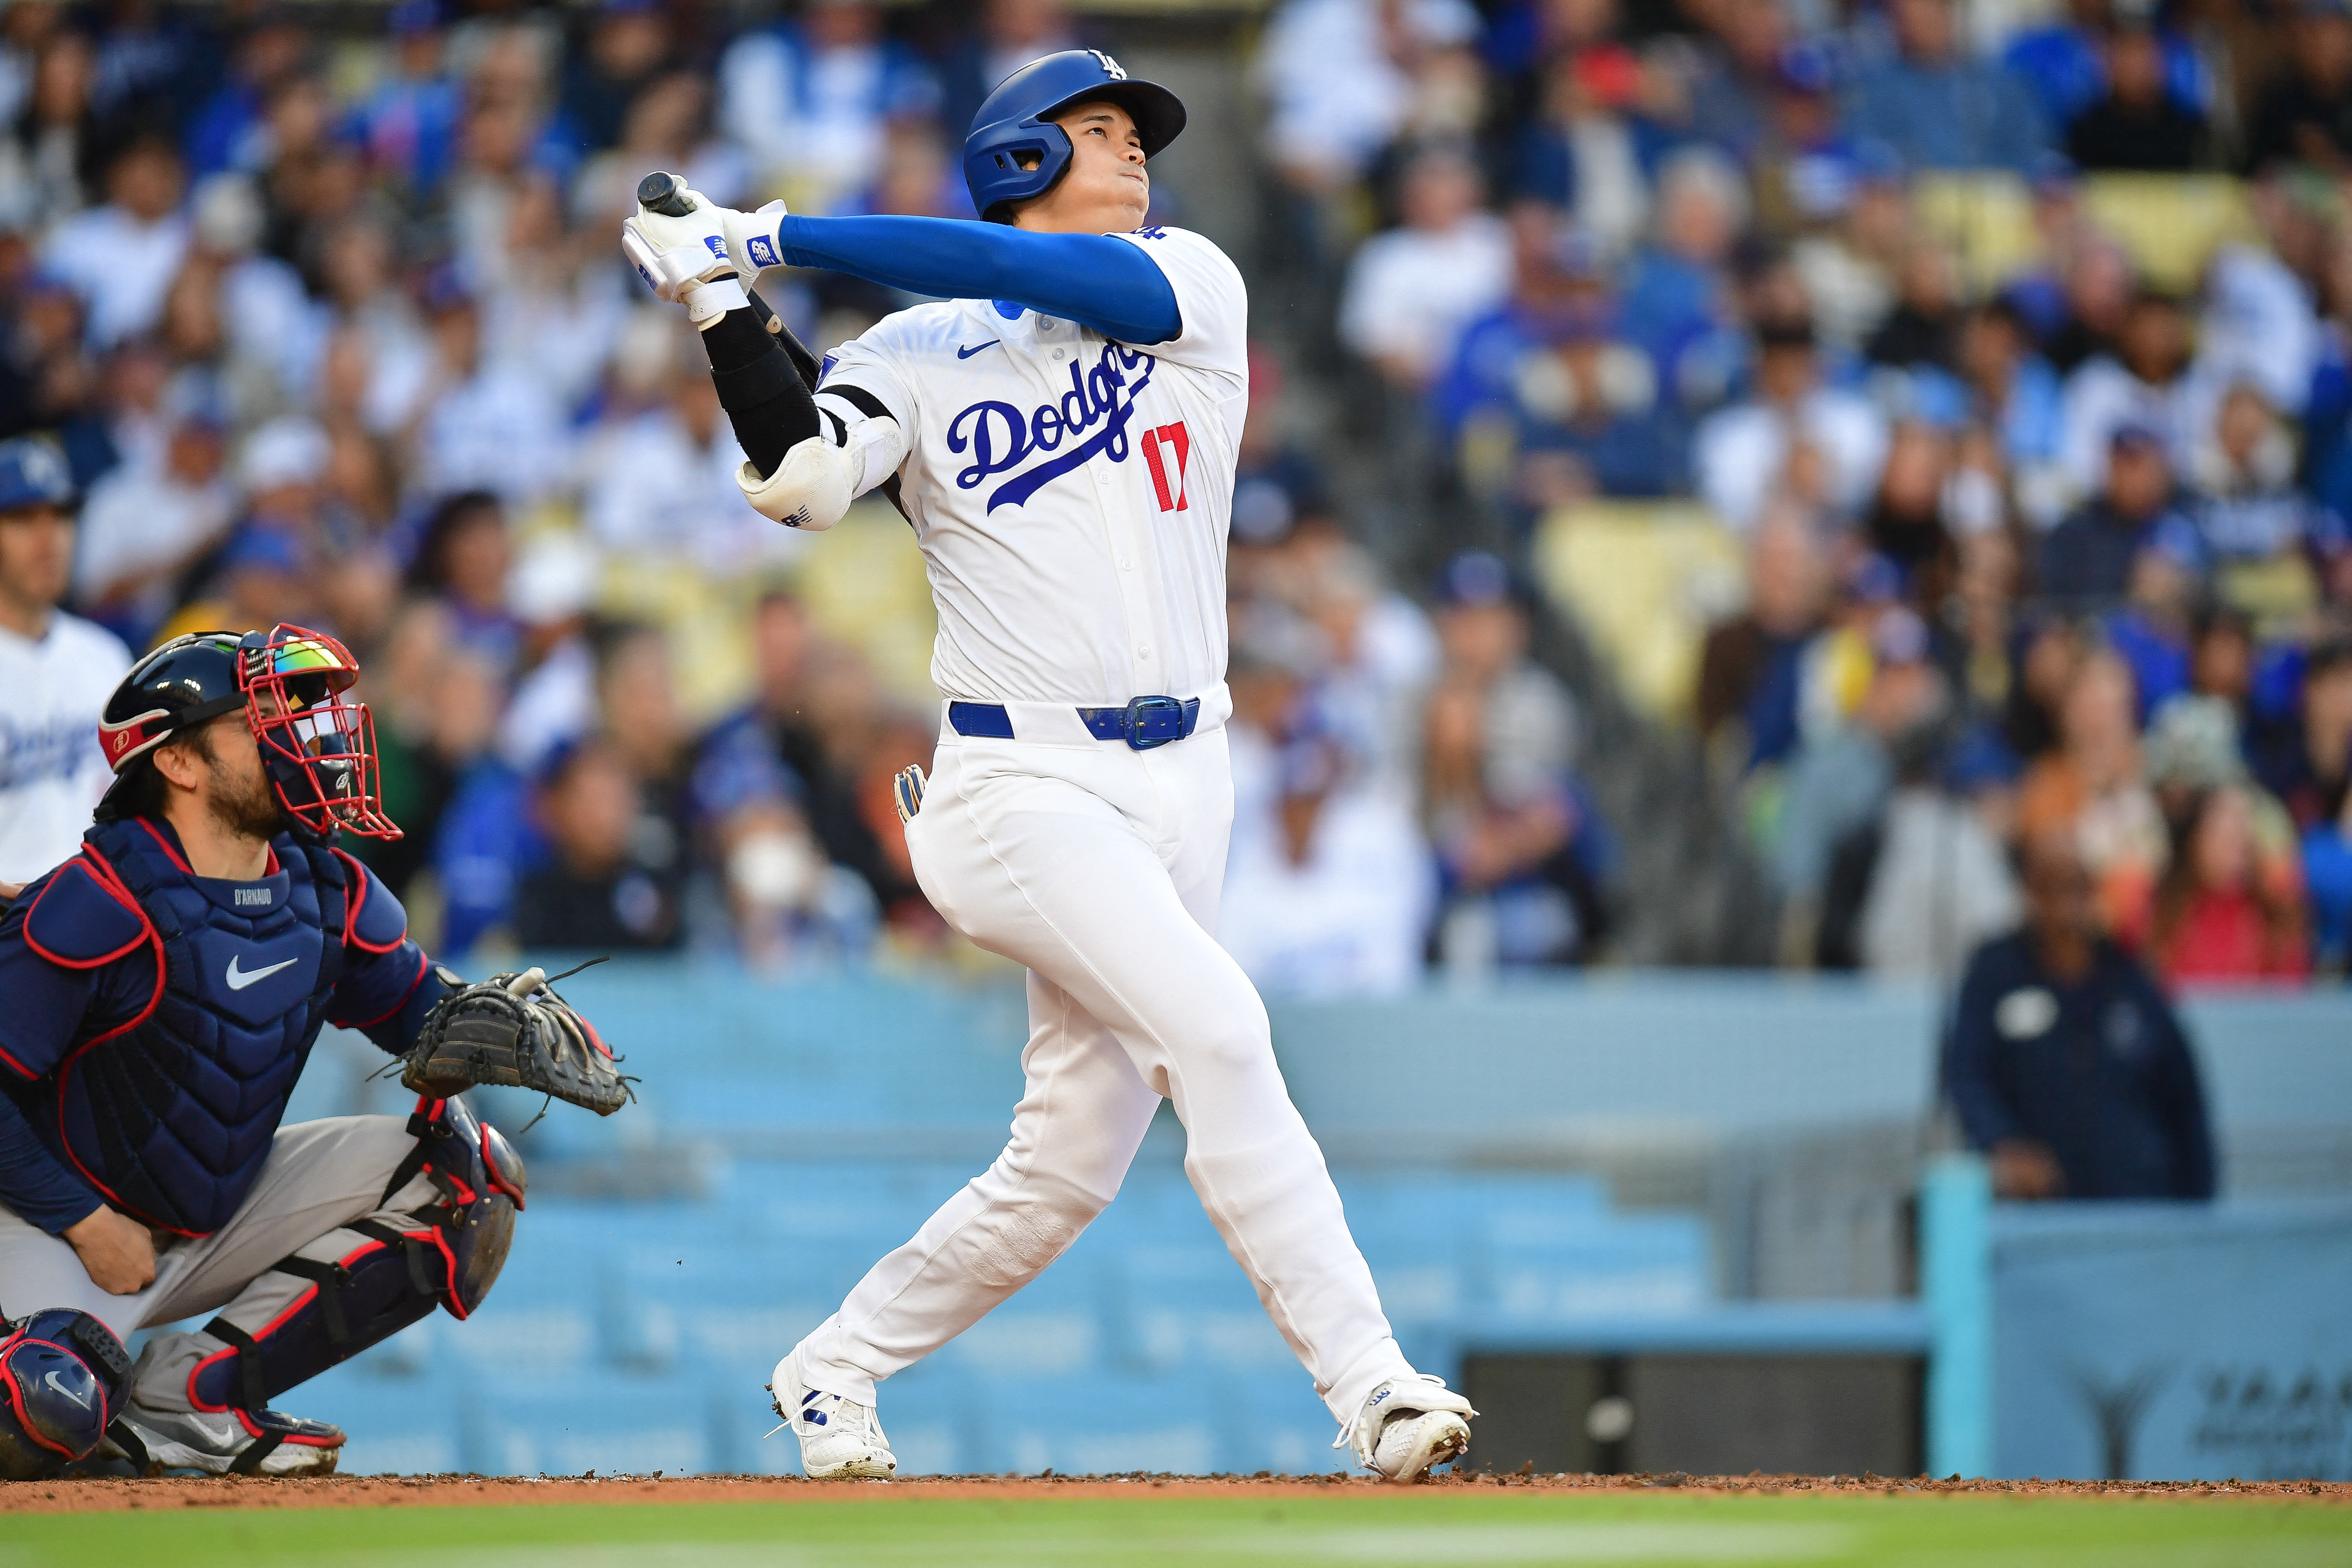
x: 163, y: 988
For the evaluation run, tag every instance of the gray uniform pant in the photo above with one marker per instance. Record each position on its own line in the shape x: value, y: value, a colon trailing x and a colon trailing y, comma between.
x: 320, y: 1177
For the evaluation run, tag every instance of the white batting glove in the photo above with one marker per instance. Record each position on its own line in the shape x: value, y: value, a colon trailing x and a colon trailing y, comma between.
x: 752, y: 242
x: 750, y: 238
x: 696, y: 275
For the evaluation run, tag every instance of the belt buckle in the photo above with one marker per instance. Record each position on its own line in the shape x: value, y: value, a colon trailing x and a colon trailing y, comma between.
x: 1152, y: 721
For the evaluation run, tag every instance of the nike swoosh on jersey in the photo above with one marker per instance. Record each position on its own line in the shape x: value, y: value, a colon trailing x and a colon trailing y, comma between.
x: 238, y: 982
x: 967, y: 353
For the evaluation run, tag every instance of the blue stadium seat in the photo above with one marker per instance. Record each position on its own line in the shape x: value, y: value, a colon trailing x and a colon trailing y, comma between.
x: 1273, y: 1421
x: 1557, y: 1269
x: 397, y: 1425
x: 1096, y: 1425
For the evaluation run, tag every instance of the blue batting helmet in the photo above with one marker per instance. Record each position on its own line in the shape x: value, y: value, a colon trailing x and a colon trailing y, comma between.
x: 33, y: 473
x: 1017, y: 120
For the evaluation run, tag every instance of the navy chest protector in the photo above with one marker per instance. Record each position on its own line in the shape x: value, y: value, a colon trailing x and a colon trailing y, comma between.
x: 171, y: 1115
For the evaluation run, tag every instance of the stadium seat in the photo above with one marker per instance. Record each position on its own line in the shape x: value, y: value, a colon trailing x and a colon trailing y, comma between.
x: 1642, y: 580
x: 1099, y: 1425
x: 2171, y: 224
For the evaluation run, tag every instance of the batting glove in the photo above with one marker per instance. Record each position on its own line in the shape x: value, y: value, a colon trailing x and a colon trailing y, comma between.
x: 695, y: 276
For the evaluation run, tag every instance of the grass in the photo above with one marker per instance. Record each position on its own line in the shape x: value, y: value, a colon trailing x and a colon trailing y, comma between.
x: 1496, y: 1531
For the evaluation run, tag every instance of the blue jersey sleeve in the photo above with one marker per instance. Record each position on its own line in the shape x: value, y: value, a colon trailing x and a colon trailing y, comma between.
x: 33, y: 1186
x: 1095, y: 279
x: 52, y: 999
x: 387, y: 988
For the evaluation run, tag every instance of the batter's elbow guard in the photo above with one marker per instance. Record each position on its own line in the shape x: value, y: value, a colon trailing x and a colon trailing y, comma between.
x: 811, y: 488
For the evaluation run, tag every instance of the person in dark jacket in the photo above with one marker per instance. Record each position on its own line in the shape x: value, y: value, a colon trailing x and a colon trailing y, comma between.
x: 163, y: 989
x: 2066, y: 1063
x: 2086, y: 561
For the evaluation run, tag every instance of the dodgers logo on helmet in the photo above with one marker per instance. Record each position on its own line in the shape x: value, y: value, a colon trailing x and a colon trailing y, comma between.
x: 1001, y: 438
x: 1110, y: 66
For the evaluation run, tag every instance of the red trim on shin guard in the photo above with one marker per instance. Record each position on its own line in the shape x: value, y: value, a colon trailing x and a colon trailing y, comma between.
x: 448, y: 1297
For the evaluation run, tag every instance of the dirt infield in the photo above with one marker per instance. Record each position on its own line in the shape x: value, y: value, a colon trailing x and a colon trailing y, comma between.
x: 462, y: 1491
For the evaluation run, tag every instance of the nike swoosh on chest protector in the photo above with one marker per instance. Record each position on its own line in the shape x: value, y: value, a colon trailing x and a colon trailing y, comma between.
x: 238, y: 982
x: 967, y: 353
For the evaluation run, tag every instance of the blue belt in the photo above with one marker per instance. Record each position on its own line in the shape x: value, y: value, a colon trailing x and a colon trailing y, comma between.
x: 1146, y: 722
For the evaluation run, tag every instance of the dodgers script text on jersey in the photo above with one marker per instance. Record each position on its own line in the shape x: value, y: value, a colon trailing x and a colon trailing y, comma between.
x: 1064, y: 570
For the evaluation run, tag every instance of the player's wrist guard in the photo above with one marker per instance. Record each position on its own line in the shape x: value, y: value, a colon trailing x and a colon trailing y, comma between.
x: 706, y: 304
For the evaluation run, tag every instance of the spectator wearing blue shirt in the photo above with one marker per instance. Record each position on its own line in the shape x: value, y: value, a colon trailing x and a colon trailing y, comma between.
x: 1559, y: 279
x: 231, y: 131
x: 809, y: 103
x: 409, y: 124
x: 2066, y: 1063
x: 1936, y: 108
x: 2015, y: 394
x: 1677, y: 288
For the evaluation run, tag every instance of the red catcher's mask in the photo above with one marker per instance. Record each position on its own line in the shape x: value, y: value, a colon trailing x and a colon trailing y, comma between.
x: 319, y: 748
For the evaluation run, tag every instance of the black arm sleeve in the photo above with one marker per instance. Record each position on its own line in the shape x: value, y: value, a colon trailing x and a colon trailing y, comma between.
x: 764, y: 391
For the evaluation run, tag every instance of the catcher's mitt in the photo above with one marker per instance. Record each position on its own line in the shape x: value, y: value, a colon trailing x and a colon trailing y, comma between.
x: 513, y: 1030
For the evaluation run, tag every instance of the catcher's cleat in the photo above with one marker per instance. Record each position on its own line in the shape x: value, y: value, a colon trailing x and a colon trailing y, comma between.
x: 234, y: 1442
x: 839, y: 1440
x: 1409, y: 1426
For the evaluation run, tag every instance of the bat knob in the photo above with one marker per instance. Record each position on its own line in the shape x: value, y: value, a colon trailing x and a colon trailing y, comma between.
x: 664, y: 193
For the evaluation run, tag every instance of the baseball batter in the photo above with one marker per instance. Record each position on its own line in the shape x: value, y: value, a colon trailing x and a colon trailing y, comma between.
x: 1062, y: 437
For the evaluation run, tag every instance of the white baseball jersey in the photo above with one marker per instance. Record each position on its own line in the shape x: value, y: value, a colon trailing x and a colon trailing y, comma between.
x: 52, y: 692
x: 1071, y: 495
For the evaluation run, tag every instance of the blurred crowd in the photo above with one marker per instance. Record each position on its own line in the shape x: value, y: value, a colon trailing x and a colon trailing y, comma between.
x: 331, y: 328
x: 327, y: 316
x: 2041, y: 530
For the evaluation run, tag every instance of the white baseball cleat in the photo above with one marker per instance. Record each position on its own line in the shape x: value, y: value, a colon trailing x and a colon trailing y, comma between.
x: 839, y: 1440
x: 1408, y: 1427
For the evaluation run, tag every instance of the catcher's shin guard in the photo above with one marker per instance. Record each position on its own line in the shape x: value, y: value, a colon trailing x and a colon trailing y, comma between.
x: 446, y: 1254
x: 63, y: 1377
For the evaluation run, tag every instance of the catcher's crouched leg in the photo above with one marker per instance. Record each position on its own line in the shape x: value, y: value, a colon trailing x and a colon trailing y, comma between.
x: 368, y: 1279
x: 63, y: 1376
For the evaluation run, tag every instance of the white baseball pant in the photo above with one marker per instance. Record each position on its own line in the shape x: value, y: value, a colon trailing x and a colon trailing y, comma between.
x: 1099, y: 867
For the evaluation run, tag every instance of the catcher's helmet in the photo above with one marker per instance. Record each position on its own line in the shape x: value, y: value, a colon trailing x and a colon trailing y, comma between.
x: 33, y: 473
x: 318, y: 746
x: 1016, y: 119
